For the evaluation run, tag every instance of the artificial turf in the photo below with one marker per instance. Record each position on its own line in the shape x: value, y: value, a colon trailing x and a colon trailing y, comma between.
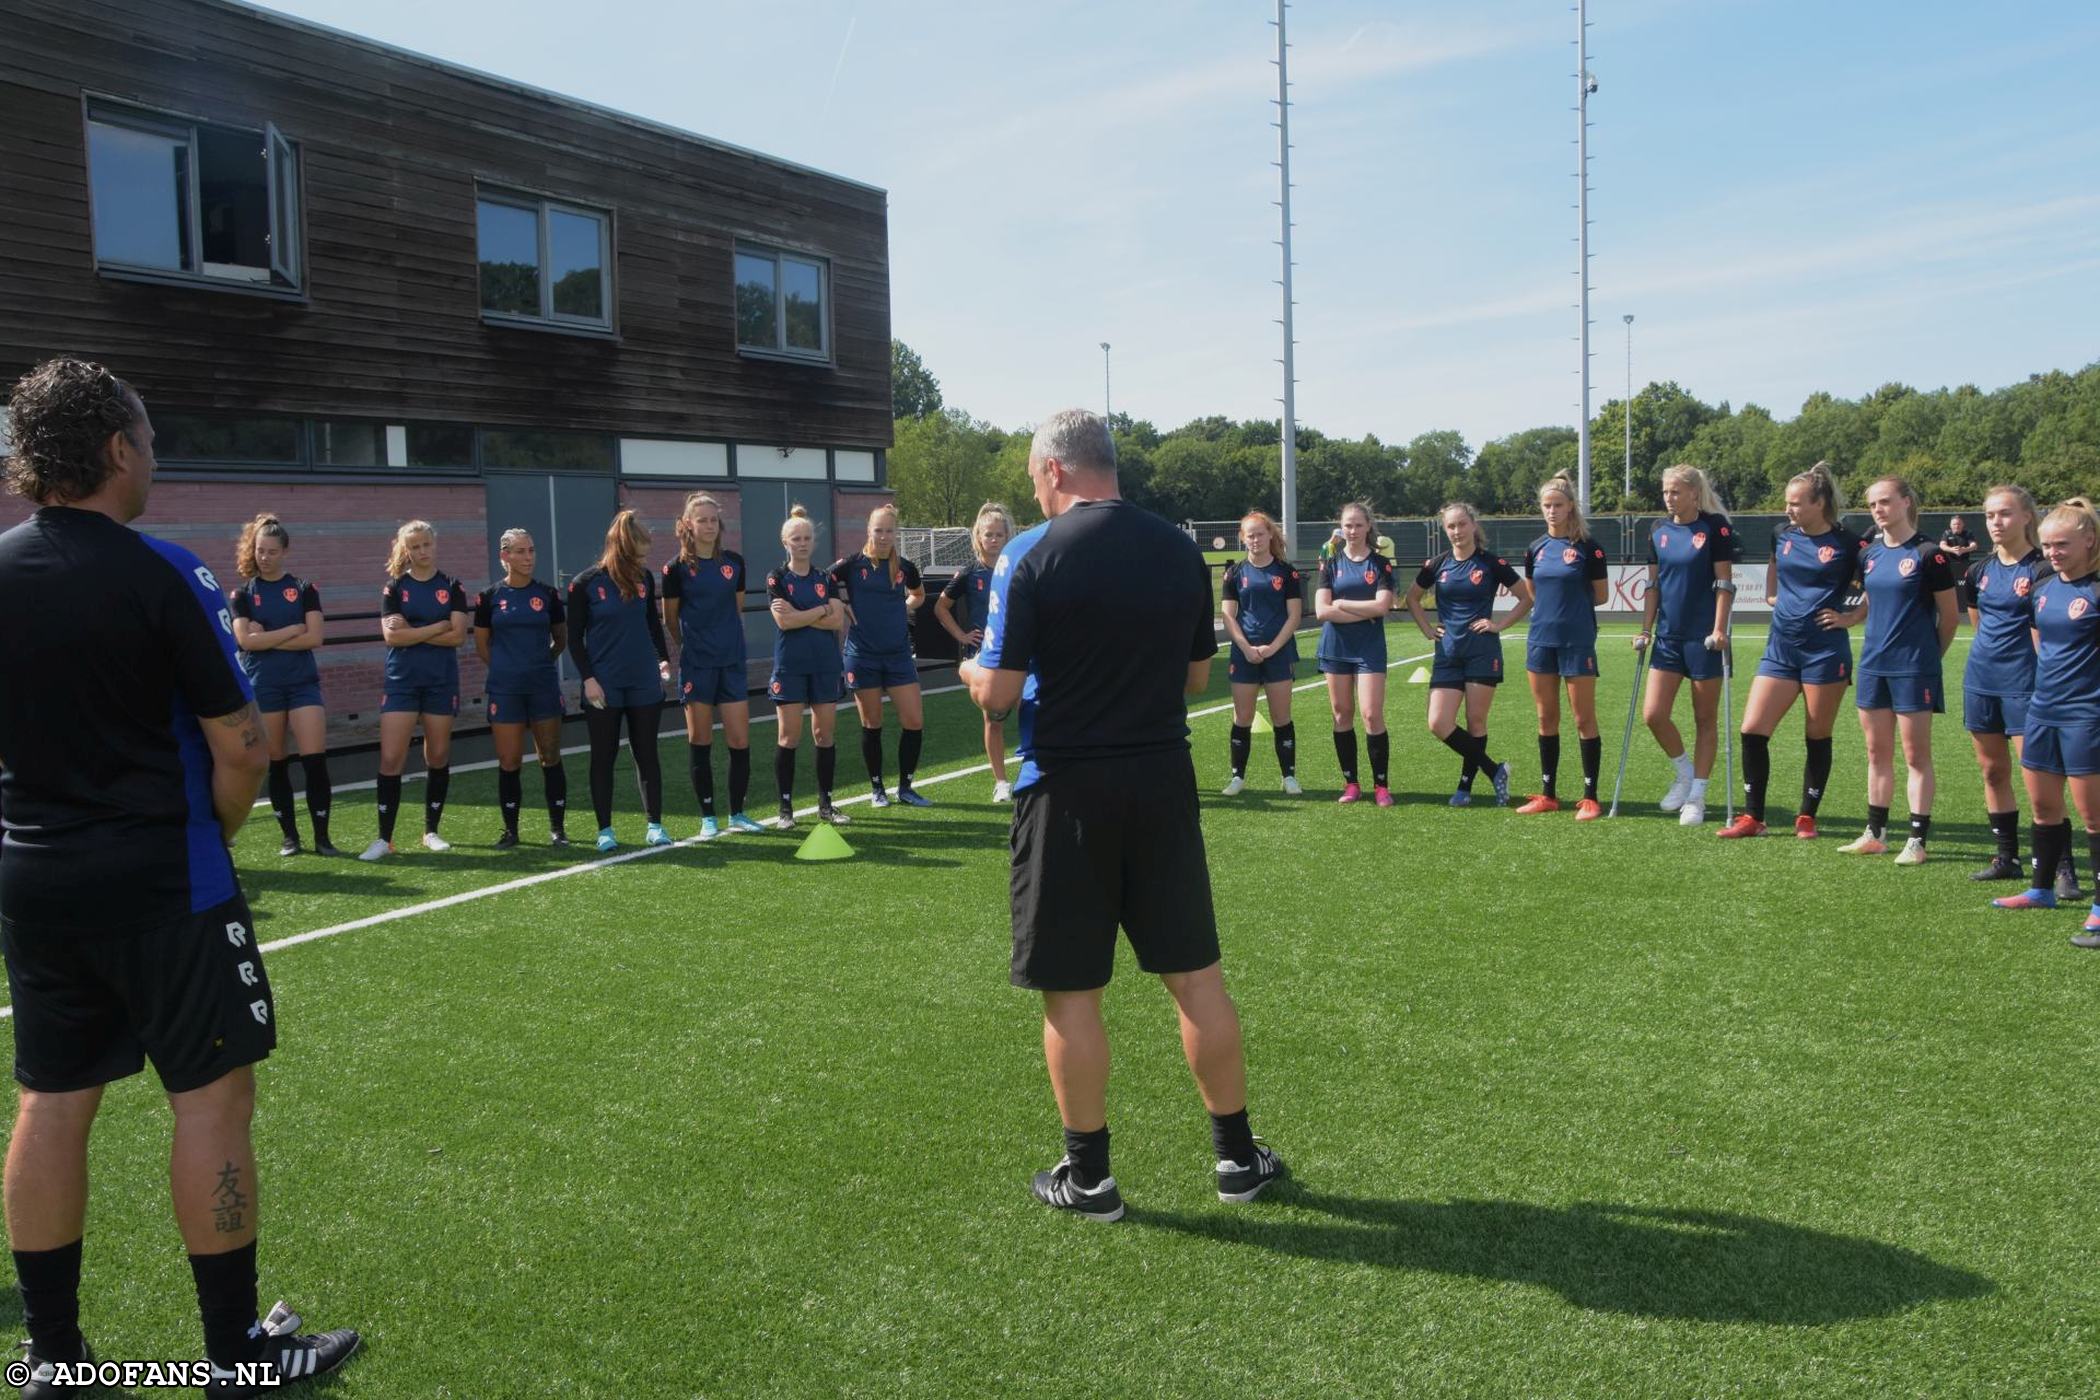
x: 1608, y: 1109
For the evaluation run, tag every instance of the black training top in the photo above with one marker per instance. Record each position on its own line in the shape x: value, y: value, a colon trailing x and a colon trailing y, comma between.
x: 112, y: 645
x: 1104, y: 607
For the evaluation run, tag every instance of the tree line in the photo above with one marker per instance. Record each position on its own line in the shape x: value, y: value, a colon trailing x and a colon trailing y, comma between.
x: 1952, y: 444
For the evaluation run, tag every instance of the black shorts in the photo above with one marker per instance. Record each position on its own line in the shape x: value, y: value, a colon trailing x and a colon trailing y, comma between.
x: 1104, y: 843
x: 190, y: 995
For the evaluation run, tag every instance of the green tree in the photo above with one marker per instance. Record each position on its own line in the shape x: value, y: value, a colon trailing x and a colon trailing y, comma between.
x: 940, y: 468
x: 914, y: 392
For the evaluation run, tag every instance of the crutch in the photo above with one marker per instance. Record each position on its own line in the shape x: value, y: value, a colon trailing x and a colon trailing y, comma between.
x: 1640, y: 667
x: 1728, y: 722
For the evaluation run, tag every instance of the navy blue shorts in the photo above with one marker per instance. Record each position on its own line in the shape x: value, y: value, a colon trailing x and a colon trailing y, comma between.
x: 1685, y: 657
x: 420, y: 700
x: 2072, y: 750
x: 806, y: 688
x: 711, y: 685
x: 1570, y: 662
x: 525, y: 706
x: 631, y: 697
x: 1481, y: 664
x: 1347, y: 666
x: 1906, y: 695
x: 1786, y: 662
x: 275, y: 699
x: 1283, y: 666
x: 879, y: 672
x: 1994, y: 714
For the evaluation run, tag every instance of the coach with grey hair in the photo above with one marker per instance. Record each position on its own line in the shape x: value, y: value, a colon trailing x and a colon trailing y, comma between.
x: 1099, y: 629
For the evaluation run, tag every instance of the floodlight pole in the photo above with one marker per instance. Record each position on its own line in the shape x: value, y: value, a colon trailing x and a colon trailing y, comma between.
x: 1628, y: 318
x: 1582, y: 234
x: 1289, y: 436
x: 1107, y: 412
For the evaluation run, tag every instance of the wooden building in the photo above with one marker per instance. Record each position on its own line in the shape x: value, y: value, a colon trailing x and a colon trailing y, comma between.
x: 358, y: 286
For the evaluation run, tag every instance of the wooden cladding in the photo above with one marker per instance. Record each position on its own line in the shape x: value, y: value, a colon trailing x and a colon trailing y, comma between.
x: 393, y: 151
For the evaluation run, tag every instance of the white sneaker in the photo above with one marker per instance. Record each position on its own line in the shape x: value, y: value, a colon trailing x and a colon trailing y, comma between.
x: 1693, y: 813
x: 434, y: 842
x: 1234, y: 788
x: 1291, y: 788
x: 1913, y: 852
x: 1002, y: 792
x: 378, y: 850
x: 1680, y: 791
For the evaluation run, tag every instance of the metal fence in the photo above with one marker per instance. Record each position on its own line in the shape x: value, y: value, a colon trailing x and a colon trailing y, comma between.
x: 937, y: 547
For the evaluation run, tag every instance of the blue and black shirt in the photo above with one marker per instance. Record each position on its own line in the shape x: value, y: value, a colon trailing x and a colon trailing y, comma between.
x: 1465, y: 592
x: 2001, y: 655
x: 710, y: 595
x: 804, y: 651
x: 1355, y: 581
x: 521, y: 623
x: 969, y: 596
x: 272, y: 605
x: 422, y: 602
x: 1684, y: 557
x: 2067, y: 667
x: 1562, y: 574
x: 881, y: 625
x: 1815, y: 572
x: 1903, y: 630
x: 1264, y: 594
x: 614, y: 640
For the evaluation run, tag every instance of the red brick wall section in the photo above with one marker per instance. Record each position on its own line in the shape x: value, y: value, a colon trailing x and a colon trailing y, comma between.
x: 849, y: 516
x: 659, y: 507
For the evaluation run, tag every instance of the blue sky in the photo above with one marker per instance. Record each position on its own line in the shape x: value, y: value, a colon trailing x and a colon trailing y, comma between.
x: 1789, y: 195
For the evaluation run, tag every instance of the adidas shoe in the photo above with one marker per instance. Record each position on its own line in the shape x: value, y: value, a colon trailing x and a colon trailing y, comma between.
x: 606, y: 840
x: 1351, y: 793
x: 1743, y: 827
x: 1056, y: 1189
x: 2067, y: 882
x: 740, y: 822
x: 656, y: 835
x: 2027, y: 899
x: 1868, y: 844
x: 1913, y: 852
x: 378, y: 850
x: 826, y: 812
x: 879, y: 796
x: 1234, y: 788
x: 1588, y: 810
x: 910, y: 797
x: 43, y: 1375
x: 558, y: 838
x: 1239, y: 1182
x: 1500, y: 778
x: 786, y: 820
x: 1291, y: 787
x: 434, y: 842
x: 1536, y: 805
x: 292, y: 1357
x: 709, y: 828
x: 1462, y: 798
x: 1692, y: 813
x: 1002, y: 792
x: 1382, y: 795
x: 1680, y: 792
x: 2090, y: 938
x: 2000, y: 868
x: 291, y: 847
x: 1805, y: 828
x: 327, y: 848
x: 507, y: 841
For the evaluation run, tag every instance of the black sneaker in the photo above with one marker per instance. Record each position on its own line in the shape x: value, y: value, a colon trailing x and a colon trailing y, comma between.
x: 1240, y: 1182
x: 2067, y: 882
x: 507, y: 840
x: 557, y: 838
x: 291, y: 847
x: 786, y: 820
x: 296, y: 1358
x: 2086, y: 940
x: 1056, y: 1189
x: 2001, y: 868
x: 826, y: 812
x: 324, y: 847
x: 43, y: 1375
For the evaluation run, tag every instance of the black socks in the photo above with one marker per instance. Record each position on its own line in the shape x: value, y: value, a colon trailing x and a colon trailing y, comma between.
x: 700, y: 760
x: 784, y: 774
x: 871, y: 754
x: 739, y: 778
x: 1241, y: 745
x: 438, y: 782
x: 1592, y: 761
x: 1345, y: 753
x: 827, y: 771
x: 1757, y: 773
x: 281, y: 798
x: 1920, y: 826
x: 1231, y: 1138
x: 556, y: 780
x: 1549, y: 764
x: 909, y: 743
x: 389, y: 805
x: 2051, y: 845
x: 1877, y: 821
x: 51, y: 1300
x: 320, y: 794
x: 1815, y: 777
x: 510, y: 793
x: 226, y: 1298
x: 2005, y: 833
x: 1378, y: 748
x: 1287, y: 749
x: 1089, y: 1155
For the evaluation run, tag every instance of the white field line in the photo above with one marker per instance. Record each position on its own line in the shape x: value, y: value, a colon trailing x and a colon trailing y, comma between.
x: 644, y: 852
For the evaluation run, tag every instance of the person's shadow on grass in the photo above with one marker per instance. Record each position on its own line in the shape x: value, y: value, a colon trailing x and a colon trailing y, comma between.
x: 1695, y: 1265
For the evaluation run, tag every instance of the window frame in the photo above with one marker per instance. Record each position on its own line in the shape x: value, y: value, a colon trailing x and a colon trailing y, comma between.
x: 780, y: 349
x: 543, y: 207
x: 286, y: 263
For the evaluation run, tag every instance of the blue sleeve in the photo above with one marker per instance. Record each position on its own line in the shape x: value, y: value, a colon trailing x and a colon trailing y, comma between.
x: 193, y: 619
x: 1010, y: 614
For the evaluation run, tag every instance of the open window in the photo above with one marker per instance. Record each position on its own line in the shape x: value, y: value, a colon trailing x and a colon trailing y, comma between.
x: 187, y: 200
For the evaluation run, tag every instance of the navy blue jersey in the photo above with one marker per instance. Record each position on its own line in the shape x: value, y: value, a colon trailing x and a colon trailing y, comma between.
x: 2067, y: 667
x: 422, y: 602
x: 1561, y: 574
x: 1465, y: 592
x: 521, y: 623
x: 1815, y: 572
x: 1104, y: 607
x: 273, y: 604
x: 113, y: 645
x: 710, y: 594
x: 1684, y: 557
x: 1354, y: 581
x: 613, y: 640
x: 969, y: 596
x: 881, y: 625
x: 803, y: 651
x: 2001, y: 655
x: 1264, y: 593
x: 1903, y: 630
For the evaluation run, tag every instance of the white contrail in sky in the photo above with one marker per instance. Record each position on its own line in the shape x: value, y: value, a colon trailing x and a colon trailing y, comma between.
x: 840, y: 66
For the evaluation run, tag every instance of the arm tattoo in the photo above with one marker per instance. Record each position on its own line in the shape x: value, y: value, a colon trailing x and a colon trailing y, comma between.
x: 228, y: 1203
x: 247, y: 721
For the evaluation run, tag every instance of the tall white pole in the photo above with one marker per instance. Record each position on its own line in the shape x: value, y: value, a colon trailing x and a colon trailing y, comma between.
x: 1582, y: 231
x: 1283, y: 203
x: 1107, y: 412
x: 1629, y: 411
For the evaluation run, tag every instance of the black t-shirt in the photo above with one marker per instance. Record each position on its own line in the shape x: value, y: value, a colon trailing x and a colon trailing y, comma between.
x: 112, y: 645
x: 1959, y: 543
x: 1104, y: 607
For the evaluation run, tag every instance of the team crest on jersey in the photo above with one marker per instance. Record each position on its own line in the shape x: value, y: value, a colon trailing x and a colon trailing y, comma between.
x: 820, y: 590
x: 444, y: 595
x: 980, y: 585
x: 601, y: 592
x: 1787, y: 547
x: 1870, y: 565
x: 503, y: 605
x: 539, y: 604
x: 1662, y: 539
x: 1569, y: 556
x: 1475, y: 577
x: 776, y: 687
x: 2021, y: 585
x: 1824, y: 555
x: 291, y: 595
x: 2078, y: 608
x: 1370, y: 576
x: 686, y: 689
x: 1276, y: 583
x: 1908, y: 567
x: 727, y: 571
x: 1699, y: 540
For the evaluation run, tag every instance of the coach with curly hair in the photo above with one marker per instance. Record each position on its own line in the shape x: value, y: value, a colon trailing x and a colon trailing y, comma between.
x: 1099, y: 628
x: 130, y: 754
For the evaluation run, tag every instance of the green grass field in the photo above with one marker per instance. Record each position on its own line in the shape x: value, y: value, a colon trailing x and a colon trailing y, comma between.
x: 1602, y: 1110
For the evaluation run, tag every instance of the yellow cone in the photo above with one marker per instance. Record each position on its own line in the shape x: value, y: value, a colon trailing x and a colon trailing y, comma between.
x: 824, y: 843
x: 1419, y: 676
x: 1261, y: 724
